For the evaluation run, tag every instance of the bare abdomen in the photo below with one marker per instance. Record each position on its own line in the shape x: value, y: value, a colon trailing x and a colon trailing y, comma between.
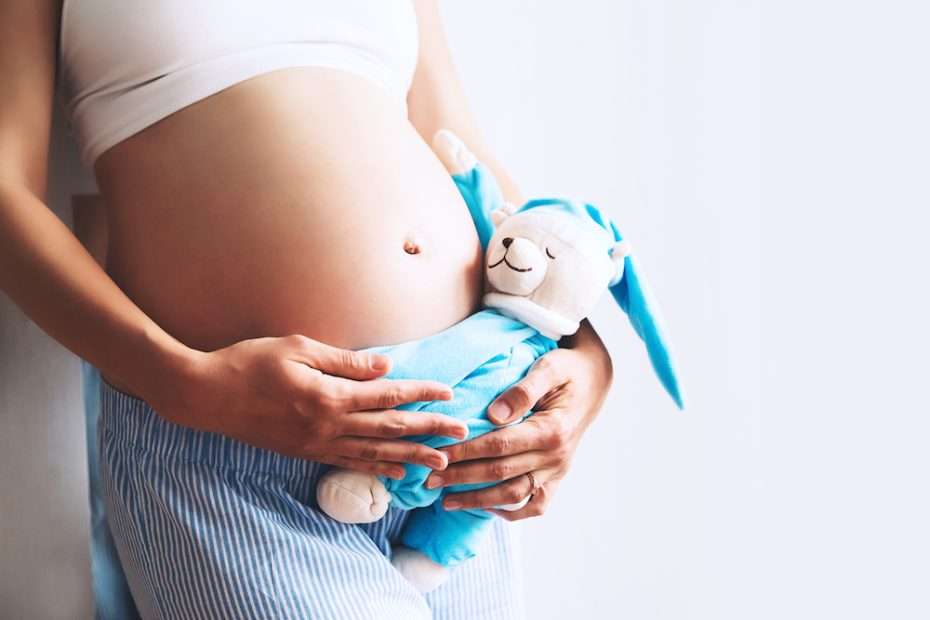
x: 300, y: 201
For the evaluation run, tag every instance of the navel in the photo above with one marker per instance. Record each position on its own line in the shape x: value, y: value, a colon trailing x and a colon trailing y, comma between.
x: 412, y: 245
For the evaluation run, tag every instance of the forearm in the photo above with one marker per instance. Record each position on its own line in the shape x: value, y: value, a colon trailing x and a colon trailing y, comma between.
x: 587, y: 342
x: 584, y: 337
x: 460, y: 122
x: 52, y: 278
x: 437, y: 99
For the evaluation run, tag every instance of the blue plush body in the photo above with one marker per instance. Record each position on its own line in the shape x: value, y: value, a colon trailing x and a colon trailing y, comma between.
x: 479, y: 358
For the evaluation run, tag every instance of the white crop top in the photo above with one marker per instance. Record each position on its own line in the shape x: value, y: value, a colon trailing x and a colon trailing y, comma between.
x: 125, y: 64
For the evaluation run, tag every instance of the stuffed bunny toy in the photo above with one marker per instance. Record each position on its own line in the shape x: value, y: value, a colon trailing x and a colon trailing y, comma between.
x: 548, y: 263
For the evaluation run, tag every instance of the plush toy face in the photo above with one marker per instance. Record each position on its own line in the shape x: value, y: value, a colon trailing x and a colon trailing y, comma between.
x: 554, y: 260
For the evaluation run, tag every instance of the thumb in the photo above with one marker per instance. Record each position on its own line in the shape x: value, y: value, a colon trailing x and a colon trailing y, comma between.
x: 359, y: 365
x: 522, y: 395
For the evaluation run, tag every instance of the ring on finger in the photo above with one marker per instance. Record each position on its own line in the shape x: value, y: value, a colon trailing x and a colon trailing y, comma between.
x: 534, y: 485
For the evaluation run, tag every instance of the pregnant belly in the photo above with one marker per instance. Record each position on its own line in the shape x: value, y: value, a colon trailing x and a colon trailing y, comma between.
x: 299, y: 201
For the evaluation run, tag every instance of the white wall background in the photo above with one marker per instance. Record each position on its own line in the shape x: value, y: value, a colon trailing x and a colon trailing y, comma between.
x: 771, y: 165
x: 652, y: 111
x: 44, y: 558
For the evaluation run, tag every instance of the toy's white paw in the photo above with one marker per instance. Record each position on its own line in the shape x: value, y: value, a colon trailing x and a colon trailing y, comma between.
x: 453, y: 153
x: 351, y: 496
x: 516, y: 506
x: 422, y: 572
x: 502, y: 213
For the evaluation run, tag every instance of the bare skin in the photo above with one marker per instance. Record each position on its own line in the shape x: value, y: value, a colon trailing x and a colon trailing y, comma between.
x: 218, y: 245
x: 258, y: 237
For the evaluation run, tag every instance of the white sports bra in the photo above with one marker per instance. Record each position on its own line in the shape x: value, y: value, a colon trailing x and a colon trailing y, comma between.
x: 125, y: 64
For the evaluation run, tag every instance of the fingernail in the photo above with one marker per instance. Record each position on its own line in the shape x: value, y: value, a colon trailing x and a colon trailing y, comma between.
x: 499, y: 412
x: 452, y: 504
x: 433, y: 481
x: 378, y: 362
x: 437, y: 462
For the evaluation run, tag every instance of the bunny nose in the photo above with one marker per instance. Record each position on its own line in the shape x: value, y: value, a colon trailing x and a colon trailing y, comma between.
x: 507, y: 241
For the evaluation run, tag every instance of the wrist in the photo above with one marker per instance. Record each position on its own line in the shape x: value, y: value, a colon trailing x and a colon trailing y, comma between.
x: 168, y: 377
x: 588, y: 343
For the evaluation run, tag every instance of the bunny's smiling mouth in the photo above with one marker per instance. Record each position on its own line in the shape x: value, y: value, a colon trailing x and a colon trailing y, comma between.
x: 505, y: 261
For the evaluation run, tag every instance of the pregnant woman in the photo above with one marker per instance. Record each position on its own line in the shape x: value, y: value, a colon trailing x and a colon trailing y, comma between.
x: 273, y: 207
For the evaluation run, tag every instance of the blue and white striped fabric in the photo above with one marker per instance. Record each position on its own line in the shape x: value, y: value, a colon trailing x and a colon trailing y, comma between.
x: 210, y: 527
x: 112, y: 598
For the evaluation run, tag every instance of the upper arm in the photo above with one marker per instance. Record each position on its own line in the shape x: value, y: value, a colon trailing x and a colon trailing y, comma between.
x: 29, y: 35
x: 436, y: 98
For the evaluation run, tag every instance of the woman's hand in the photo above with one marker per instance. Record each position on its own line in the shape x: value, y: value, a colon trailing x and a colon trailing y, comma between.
x: 566, y: 388
x: 306, y: 399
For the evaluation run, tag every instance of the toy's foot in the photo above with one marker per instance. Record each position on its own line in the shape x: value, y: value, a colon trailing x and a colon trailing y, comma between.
x: 422, y: 572
x: 352, y: 497
x: 452, y: 152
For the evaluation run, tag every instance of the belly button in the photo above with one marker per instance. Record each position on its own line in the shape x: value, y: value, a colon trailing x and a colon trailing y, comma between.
x: 412, y: 246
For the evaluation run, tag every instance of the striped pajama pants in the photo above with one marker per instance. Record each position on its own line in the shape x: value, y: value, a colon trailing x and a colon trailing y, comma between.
x: 210, y: 527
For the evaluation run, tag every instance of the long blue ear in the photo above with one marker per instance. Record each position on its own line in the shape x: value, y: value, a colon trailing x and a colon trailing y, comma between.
x: 483, y: 195
x: 634, y: 296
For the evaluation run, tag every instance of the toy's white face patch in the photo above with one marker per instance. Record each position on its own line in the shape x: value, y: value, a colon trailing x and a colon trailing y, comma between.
x: 519, y: 256
x: 544, y: 256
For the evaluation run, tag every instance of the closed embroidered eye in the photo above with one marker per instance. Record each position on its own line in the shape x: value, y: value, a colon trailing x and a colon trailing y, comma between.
x: 549, y: 254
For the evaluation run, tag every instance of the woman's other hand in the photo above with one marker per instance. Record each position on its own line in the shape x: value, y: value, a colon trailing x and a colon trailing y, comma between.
x: 566, y: 388
x: 299, y: 397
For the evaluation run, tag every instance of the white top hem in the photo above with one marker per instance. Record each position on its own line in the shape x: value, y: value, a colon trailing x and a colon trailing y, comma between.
x: 143, y: 106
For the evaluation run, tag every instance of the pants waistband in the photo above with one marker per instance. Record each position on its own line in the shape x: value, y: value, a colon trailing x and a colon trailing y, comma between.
x: 448, y: 356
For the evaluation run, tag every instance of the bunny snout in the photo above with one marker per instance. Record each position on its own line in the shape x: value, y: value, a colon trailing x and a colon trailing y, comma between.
x: 516, y: 266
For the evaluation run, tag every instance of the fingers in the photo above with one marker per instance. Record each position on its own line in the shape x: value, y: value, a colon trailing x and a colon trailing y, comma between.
x: 523, y: 395
x: 392, y: 424
x: 348, y: 395
x: 346, y: 363
x: 393, y: 450
x: 489, y: 470
x: 507, y: 492
x: 382, y: 468
x: 523, y: 437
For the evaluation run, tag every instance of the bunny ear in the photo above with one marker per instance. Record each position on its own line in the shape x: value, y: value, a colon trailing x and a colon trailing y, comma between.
x: 475, y: 183
x: 632, y: 293
x: 634, y: 296
x: 483, y: 197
